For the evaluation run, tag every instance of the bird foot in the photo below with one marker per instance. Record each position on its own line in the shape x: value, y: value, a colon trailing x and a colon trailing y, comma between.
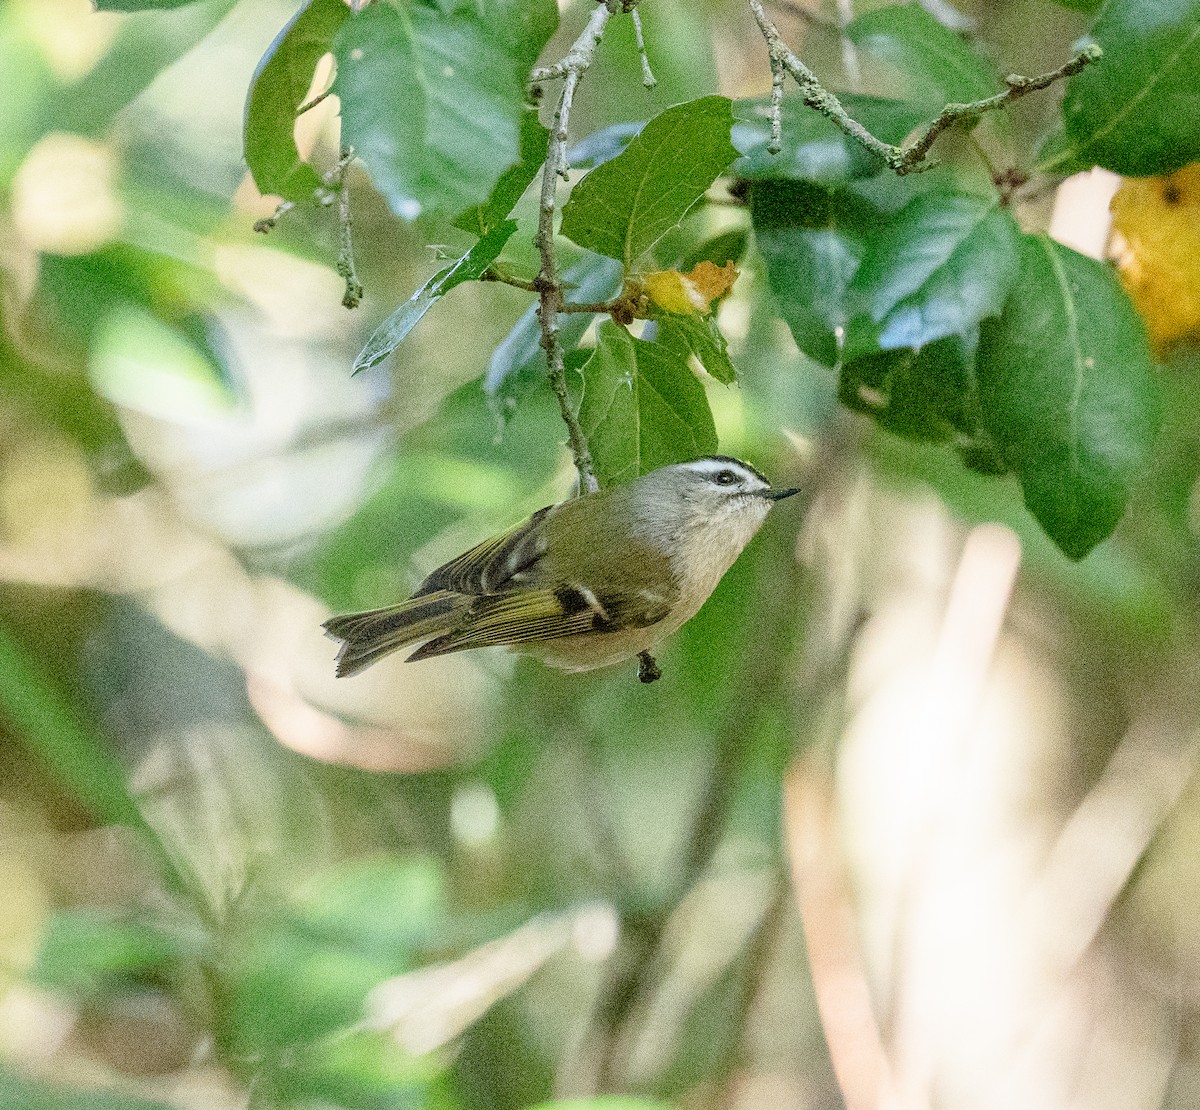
x: 648, y: 668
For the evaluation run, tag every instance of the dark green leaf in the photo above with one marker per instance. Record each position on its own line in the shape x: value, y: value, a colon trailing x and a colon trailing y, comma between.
x: 277, y: 89
x: 812, y: 239
x: 390, y: 334
x: 939, y: 267
x: 625, y: 206
x: 641, y: 408
x: 813, y: 148
x: 935, y: 65
x: 1067, y: 391
x: 513, y: 181
x: 699, y: 336
x: 431, y: 104
x: 925, y: 395
x: 729, y: 246
x: 524, y: 26
x: 519, y: 362
x: 1137, y: 111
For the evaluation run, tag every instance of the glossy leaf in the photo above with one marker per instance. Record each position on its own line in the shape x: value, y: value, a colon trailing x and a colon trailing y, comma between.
x: 813, y: 148
x: 1137, y: 111
x: 936, y: 66
x: 513, y: 182
x: 641, y: 407
x: 699, y: 336
x: 622, y: 208
x: 519, y: 362
x: 392, y: 332
x: 812, y: 239
x: 939, y: 267
x: 1067, y: 391
x: 431, y: 104
x: 277, y: 89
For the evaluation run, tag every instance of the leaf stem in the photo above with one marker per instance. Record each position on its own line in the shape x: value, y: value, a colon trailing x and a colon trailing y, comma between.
x: 910, y: 158
x: 648, y: 78
x: 308, y: 105
x: 548, y: 284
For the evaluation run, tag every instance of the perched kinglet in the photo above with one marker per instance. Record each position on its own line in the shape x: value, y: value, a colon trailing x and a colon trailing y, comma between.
x: 583, y: 584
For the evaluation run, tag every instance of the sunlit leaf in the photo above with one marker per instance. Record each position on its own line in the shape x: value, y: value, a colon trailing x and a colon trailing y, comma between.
x: 1158, y: 221
x: 641, y: 408
x: 392, y: 332
x: 625, y: 206
x: 689, y: 294
x: 1067, y: 391
x: 277, y: 89
x: 1137, y: 111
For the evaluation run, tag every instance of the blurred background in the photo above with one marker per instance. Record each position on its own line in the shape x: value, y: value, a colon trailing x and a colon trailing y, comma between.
x: 912, y: 820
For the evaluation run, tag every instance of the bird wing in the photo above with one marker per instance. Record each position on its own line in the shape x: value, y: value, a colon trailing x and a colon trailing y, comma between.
x: 520, y: 617
x: 496, y: 564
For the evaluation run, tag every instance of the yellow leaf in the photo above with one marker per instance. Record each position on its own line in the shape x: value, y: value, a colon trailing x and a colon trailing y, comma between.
x: 693, y: 293
x: 1157, y: 220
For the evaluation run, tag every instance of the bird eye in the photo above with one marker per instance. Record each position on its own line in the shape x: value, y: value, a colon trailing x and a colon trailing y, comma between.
x: 725, y: 477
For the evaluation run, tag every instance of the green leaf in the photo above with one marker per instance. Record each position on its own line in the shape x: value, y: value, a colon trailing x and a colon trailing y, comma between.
x: 518, y: 362
x: 513, y: 181
x: 91, y: 953
x: 524, y: 26
x: 391, y: 333
x: 641, y: 408
x: 601, y: 146
x: 729, y: 246
x: 625, y: 206
x: 939, y: 267
x: 936, y: 66
x: 431, y: 104
x: 603, y: 1102
x: 277, y: 89
x: 812, y: 239
x: 1067, y: 391
x: 927, y: 395
x: 699, y: 336
x: 1137, y: 111
x: 813, y: 148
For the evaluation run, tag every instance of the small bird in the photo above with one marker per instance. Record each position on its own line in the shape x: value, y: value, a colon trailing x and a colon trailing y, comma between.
x: 583, y: 584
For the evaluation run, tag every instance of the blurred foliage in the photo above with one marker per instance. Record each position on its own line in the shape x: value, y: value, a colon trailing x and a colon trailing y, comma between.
x: 230, y: 880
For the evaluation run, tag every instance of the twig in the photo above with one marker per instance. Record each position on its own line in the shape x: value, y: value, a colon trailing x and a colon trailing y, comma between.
x: 648, y: 78
x: 345, y: 263
x: 268, y: 222
x: 910, y: 158
x: 308, y: 105
x: 493, y: 274
x: 549, y: 285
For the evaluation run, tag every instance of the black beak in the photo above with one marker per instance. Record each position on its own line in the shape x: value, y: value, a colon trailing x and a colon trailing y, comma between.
x: 779, y: 494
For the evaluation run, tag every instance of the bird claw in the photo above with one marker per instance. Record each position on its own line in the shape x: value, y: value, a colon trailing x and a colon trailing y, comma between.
x: 648, y: 668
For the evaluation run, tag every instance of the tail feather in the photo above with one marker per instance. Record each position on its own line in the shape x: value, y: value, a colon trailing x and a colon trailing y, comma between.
x: 368, y: 637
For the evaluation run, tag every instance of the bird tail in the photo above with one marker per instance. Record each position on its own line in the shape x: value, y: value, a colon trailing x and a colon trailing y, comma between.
x: 368, y: 637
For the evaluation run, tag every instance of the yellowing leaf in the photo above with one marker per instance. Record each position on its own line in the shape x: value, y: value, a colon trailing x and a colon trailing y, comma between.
x: 1158, y: 252
x: 693, y: 293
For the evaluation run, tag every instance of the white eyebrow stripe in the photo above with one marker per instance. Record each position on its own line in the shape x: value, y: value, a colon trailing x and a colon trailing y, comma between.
x: 715, y: 466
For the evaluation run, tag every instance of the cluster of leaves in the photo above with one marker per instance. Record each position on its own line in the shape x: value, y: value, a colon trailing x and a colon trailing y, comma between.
x: 944, y: 321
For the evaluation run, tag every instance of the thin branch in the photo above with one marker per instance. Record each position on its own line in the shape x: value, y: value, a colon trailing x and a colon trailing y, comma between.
x: 549, y: 284
x: 268, y: 222
x: 493, y: 274
x: 308, y: 105
x: 910, y: 158
x: 345, y: 263
x: 648, y: 78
